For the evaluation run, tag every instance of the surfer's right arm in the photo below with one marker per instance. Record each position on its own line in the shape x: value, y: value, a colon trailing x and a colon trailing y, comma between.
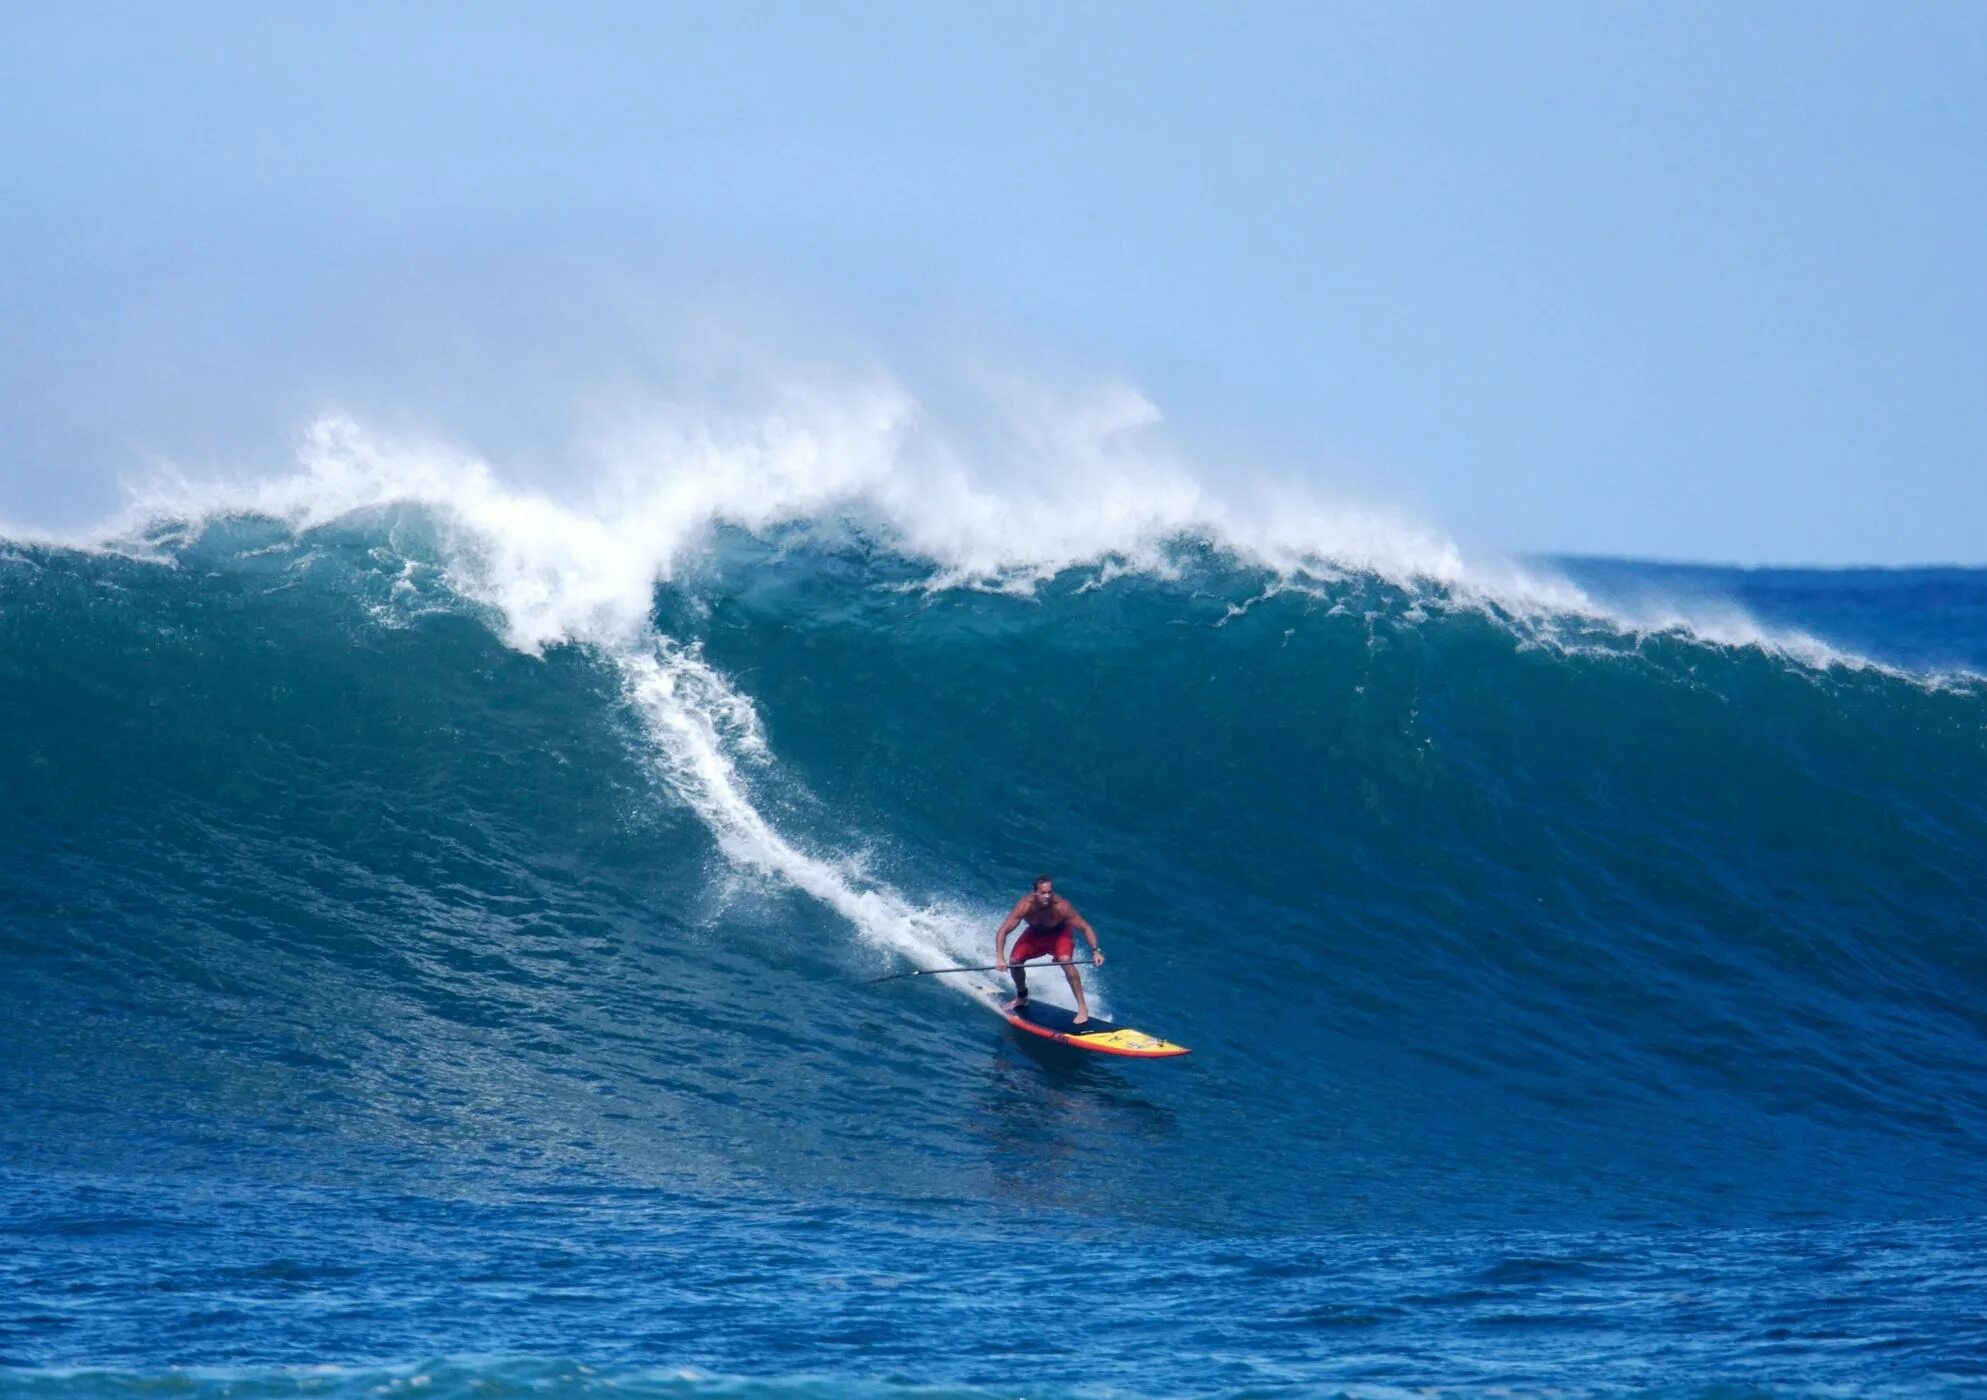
x: 1007, y: 927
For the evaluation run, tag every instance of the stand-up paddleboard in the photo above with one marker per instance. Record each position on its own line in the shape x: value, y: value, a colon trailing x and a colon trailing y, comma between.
x: 1059, y: 1024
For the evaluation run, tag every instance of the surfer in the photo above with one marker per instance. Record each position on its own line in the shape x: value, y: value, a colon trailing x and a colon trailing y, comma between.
x: 1050, y: 918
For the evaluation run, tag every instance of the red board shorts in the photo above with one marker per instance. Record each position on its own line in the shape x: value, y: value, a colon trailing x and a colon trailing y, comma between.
x: 1060, y: 941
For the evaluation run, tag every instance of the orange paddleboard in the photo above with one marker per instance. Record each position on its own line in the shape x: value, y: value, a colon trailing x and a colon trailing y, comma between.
x: 1059, y: 1024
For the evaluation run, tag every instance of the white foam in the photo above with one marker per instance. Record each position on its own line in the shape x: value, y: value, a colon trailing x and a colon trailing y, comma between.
x: 1066, y: 482
x: 1059, y: 479
x: 1070, y: 482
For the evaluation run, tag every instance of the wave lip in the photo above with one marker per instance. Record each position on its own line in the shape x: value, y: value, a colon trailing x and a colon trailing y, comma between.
x: 578, y: 564
x: 1087, y: 487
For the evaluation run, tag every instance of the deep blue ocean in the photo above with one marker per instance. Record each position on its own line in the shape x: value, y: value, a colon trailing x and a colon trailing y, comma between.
x: 1584, y: 1000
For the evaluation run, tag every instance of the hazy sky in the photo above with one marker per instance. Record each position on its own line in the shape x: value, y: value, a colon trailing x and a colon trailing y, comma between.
x: 1703, y: 281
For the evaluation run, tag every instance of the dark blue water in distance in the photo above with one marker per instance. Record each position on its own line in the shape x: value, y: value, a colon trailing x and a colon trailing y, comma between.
x: 1578, y: 1006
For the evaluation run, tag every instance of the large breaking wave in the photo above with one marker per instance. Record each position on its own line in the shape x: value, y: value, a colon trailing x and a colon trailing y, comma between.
x: 386, y: 803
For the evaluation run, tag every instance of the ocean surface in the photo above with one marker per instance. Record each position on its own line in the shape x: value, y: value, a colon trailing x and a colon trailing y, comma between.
x: 430, y: 965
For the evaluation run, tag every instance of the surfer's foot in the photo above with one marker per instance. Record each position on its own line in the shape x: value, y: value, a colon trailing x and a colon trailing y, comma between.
x: 1018, y: 1004
x: 1080, y: 1024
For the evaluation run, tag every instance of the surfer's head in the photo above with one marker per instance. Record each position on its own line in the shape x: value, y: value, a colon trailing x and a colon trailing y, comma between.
x: 1045, y: 889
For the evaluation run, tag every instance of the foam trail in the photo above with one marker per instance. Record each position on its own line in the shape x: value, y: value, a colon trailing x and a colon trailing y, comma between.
x: 698, y: 722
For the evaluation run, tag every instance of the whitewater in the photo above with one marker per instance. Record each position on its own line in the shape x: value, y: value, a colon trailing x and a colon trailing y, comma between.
x: 439, y: 904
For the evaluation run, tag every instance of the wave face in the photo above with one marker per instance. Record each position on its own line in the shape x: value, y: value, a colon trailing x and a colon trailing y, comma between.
x: 340, y: 886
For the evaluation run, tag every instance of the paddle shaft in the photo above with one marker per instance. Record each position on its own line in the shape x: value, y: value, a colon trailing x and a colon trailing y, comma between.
x: 991, y: 967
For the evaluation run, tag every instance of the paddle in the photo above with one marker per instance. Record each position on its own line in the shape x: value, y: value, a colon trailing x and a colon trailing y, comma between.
x: 938, y: 971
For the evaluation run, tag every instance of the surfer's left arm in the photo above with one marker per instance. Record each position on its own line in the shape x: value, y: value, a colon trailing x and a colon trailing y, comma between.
x: 1089, y: 933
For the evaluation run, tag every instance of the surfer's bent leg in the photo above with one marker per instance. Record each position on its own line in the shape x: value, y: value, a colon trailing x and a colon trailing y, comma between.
x: 1065, y: 951
x: 1025, y: 947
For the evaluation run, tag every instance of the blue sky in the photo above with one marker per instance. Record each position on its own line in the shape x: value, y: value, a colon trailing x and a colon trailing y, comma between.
x: 1690, y: 281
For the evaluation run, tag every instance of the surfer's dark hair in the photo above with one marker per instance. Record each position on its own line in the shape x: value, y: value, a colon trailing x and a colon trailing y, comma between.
x: 1041, y: 880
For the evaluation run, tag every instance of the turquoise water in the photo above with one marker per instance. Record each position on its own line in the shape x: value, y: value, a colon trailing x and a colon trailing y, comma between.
x: 1584, y: 998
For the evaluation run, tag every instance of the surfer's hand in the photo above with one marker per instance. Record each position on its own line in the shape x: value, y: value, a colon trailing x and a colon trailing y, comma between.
x: 1001, y: 966
x: 1096, y: 957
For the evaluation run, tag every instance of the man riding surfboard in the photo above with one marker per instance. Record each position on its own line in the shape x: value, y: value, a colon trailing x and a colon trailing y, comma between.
x: 1050, y: 919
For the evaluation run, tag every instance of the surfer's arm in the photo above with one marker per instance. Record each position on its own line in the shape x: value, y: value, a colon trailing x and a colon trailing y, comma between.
x: 1089, y: 934
x: 1000, y: 934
